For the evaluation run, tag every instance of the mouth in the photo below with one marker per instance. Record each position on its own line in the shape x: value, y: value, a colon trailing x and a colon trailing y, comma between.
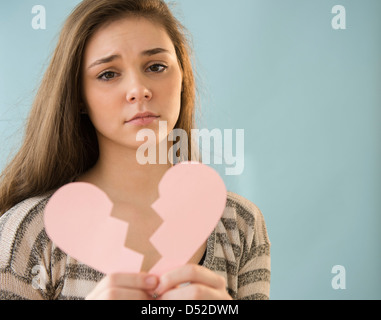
x: 143, y: 119
x: 143, y: 116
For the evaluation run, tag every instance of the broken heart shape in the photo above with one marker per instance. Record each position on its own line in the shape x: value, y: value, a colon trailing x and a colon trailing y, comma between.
x: 192, y: 198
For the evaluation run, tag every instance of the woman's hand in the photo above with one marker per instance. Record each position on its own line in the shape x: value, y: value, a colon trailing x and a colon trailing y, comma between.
x: 125, y: 287
x: 192, y: 282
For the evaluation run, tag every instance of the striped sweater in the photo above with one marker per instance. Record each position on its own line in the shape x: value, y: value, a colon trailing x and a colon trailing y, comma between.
x: 32, y: 267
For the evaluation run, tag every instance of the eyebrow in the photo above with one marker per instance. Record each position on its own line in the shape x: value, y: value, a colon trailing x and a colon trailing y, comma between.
x: 149, y: 52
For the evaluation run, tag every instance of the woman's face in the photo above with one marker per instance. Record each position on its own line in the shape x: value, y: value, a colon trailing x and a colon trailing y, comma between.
x: 130, y: 67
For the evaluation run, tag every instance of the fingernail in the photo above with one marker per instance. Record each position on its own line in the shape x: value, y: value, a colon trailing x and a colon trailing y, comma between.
x: 158, y: 289
x: 151, y: 281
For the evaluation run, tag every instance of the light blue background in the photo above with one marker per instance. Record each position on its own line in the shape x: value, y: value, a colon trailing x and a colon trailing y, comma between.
x: 309, y: 100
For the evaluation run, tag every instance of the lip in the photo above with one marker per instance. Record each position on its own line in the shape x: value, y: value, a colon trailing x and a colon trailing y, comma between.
x: 142, y: 121
x: 143, y: 118
x: 143, y: 115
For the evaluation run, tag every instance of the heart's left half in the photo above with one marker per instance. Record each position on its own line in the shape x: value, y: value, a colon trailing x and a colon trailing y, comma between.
x: 78, y: 219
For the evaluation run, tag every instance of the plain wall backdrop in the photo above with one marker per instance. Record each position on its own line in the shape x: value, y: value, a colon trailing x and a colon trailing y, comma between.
x: 308, y: 97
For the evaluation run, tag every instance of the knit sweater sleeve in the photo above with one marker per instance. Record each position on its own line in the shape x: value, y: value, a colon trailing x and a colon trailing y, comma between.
x: 254, y: 268
x: 239, y: 250
x: 25, y: 253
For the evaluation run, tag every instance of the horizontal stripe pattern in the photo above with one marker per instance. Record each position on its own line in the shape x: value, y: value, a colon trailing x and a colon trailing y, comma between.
x: 32, y: 267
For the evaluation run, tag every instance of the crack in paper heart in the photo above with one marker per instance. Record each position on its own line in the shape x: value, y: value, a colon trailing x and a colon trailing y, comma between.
x: 192, y: 198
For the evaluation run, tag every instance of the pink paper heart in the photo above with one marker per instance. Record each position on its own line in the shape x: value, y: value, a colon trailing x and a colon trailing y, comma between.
x: 192, y: 198
x: 78, y: 220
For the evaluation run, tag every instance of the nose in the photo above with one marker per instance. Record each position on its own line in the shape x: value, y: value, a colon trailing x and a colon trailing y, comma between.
x: 138, y: 92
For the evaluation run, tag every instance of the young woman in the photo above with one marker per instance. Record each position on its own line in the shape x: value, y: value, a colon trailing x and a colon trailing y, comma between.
x: 119, y: 66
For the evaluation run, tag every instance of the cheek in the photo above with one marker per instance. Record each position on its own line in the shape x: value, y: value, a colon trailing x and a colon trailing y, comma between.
x: 97, y: 98
x: 170, y: 94
x: 176, y: 85
x: 100, y: 102
x: 100, y: 108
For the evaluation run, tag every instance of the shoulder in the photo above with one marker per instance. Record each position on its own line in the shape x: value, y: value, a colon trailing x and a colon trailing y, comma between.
x: 24, y: 212
x: 244, y: 207
x: 22, y: 230
x: 248, y: 217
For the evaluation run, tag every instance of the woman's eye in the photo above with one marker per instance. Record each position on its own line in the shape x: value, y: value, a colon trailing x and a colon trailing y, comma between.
x: 157, y: 68
x: 109, y: 75
x: 106, y: 76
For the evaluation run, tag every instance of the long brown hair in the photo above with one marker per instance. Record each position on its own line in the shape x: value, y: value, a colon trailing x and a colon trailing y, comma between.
x: 60, y: 143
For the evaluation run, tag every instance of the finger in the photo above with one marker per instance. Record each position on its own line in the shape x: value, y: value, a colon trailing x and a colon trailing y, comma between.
x: 190, y: 273
x: 141, y: 281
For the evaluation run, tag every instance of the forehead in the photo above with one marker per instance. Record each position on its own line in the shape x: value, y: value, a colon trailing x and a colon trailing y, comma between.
x: 130, y: 36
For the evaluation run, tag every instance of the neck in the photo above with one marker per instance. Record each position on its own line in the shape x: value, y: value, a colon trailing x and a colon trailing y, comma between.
x: 118, y: 173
